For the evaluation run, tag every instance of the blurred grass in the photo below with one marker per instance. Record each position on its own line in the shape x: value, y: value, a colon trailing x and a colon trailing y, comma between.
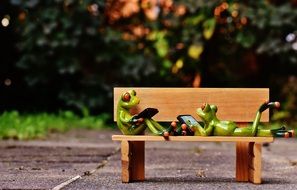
x: 14, y: 125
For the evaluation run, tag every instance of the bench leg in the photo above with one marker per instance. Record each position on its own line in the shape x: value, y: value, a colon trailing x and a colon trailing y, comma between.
x: 248, y: 162
x: 132, y: 161
x: 255, y: 164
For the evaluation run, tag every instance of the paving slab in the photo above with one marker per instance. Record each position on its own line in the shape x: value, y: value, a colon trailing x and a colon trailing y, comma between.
x: 44, y: 164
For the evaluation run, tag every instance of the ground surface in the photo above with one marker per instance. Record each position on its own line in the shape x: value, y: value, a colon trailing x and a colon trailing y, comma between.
x: 45, y: 164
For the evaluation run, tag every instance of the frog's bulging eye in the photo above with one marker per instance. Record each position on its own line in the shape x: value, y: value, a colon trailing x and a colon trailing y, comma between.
x: 126, y: 97
x: 134, y: 92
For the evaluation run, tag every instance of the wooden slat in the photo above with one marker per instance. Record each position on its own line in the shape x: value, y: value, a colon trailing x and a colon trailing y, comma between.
x: 235, y: 104
x: 191, y: 138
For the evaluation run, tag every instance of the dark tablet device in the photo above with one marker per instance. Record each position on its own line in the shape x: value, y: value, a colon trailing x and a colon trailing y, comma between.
x: 147, y: 113
x: 187, y: 118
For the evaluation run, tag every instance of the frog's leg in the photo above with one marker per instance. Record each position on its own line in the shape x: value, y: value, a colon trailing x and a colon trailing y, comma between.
x: 262, y: 108
x: 152, y: 127
x: 247, y: 132
x: 137, y: 130
x: 284, y: 134
x: 160, y: 128
x: 279, y: 132
x: 157, y: 125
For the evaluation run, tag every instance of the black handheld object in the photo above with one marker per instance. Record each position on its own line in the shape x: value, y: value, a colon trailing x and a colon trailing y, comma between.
x: 187, y: 119
x: 147, y: 113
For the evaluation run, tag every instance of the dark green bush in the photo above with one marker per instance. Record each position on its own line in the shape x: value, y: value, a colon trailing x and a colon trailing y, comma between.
x: 76, y: 51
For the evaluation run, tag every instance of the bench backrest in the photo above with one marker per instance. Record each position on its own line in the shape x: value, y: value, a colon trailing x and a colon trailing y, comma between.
x: 234, y: 104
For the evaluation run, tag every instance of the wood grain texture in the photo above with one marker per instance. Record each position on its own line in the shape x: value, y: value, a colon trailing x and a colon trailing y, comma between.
x: 235, y: 104
x: 242, y: 161
x: 248, y: 162
x: 256, y: 163
x: 191, y: 138
x: 132, y: 155
x: 125, y: 156
x: 137, y: 160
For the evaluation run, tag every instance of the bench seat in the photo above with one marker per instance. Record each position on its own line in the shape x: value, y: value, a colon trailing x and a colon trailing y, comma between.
x: 192, y: 138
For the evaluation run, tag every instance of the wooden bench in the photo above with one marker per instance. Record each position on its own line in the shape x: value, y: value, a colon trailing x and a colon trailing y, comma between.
x: 235, y: 104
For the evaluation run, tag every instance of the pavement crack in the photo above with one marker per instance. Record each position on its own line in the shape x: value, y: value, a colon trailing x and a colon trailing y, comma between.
x: 64, y: 184
x: 103, y: 163
x: 89, y: 172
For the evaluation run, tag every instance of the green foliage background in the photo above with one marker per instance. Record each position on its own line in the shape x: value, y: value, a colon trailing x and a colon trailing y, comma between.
x: 68, y: 57
x: 28, y: 126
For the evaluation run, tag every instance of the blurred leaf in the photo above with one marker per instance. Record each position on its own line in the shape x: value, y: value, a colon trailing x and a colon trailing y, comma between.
x: 162, y: 47
x: 195, y: 51
x: 209, y: 28
x: 245, y: 39
x: 280, y: 115
x: 167, y: 64
x: 195, y: 20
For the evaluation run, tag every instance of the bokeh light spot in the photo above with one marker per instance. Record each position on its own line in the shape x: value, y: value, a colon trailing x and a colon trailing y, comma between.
x: 5, y: 22
x: 290, y: 37
x: 7, y: 82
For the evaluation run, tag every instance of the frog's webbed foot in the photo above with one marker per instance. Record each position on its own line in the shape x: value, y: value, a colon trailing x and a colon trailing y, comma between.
x: 183, y: 130
x: 168, y: 132
x: 267, y: 105
x: 283, y: 132
x: 175, y: 129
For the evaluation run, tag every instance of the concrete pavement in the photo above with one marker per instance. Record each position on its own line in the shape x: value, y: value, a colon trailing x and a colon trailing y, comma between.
x: 46, y: 164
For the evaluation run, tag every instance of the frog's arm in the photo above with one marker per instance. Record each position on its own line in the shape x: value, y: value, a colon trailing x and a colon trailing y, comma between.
x: 207, y: 131
x: 125, y: 118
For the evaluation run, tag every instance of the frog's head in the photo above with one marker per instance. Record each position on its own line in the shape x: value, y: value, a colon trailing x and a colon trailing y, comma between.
x: 207, y: 112
x: 129, y: 99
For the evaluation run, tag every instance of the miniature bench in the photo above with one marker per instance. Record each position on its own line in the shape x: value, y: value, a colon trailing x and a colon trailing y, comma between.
x: 235, y: 104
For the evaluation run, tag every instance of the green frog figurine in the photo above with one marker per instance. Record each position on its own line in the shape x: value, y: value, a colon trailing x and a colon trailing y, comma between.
x: 214, y: 126
x: 131, y: 125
